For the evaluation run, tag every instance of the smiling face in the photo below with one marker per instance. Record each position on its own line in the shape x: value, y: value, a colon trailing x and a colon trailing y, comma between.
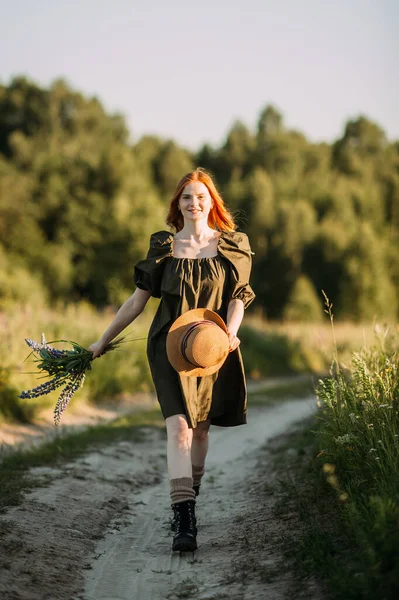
x: 195, y: 201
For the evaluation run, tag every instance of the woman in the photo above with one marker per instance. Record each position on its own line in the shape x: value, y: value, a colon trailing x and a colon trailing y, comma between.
x: 205, y: 264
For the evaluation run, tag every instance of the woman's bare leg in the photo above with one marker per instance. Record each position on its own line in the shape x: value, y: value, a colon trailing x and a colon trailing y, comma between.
x: 179, y: 446
x: 186, y: 451
x: 200, y: 443
x: 199, y: 449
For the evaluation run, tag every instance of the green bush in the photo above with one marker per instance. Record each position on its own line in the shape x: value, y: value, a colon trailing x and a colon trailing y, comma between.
x: 269, y: 354
x: 303, y: 304
x: 12, y: 408
x: 19, y: 285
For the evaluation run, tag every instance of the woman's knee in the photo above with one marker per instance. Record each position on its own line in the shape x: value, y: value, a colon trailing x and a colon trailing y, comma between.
x: 201, y: 432
x: 178, y: 431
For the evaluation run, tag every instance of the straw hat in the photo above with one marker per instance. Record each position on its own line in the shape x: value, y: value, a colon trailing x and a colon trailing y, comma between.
x: 197, y: 343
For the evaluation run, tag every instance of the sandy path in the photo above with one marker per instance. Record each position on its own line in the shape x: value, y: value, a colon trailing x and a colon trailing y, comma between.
x: 100, y: 528
x: 137, y: 561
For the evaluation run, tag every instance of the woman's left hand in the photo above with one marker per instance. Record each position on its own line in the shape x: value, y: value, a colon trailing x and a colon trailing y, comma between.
x: 233, y: 340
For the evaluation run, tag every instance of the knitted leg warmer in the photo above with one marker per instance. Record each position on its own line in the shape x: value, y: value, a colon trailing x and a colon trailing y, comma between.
x: 198, y: 472
x: 181, y: 489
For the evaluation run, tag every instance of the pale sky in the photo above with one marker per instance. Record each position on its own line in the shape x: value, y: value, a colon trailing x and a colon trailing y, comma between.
x: 188, y: 70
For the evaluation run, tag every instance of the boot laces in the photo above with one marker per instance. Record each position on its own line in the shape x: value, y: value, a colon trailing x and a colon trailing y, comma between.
x: 191, y: 517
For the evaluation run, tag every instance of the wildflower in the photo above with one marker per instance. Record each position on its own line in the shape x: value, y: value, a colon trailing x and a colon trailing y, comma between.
x: 373, y: 450
x: 343, y: 497
x: 66, y: 396
x: 352, y: 416
x: 328, y: 468
x: 333, y: 481
x: 44, y: 388
x: 36, y: 347
x: 343, y: 439
x: 44, y: 345
x: 65, y: 367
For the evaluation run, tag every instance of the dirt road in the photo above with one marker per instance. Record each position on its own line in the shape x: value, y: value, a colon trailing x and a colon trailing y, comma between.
x: 100, y: 528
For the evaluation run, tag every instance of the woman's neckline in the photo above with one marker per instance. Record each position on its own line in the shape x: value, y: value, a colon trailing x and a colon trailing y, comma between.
x: 196, y: 257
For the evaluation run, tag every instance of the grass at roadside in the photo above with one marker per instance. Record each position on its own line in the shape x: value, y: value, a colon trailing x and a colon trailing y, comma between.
x: 14, y: 468
x: 314, y: 539
x: 320, y: 539
x: 340, y: 480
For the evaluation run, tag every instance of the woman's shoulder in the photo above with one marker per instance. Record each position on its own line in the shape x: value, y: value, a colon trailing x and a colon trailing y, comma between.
x: 161, y: 238
x: 236, y: 239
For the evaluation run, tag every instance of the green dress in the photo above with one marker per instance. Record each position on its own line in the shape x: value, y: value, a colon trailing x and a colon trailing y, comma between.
x: 183, y: 284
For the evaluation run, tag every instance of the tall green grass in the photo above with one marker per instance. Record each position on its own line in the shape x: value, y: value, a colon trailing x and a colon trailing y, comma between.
x: 358, y: 441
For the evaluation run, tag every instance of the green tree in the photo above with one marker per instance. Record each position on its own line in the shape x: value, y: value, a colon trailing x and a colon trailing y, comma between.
x: 258, y: 208
x: 170, y: 165
x: 235, y: 155
x: 303, y: 303
x: 361, y: 142
x: 367, y: 291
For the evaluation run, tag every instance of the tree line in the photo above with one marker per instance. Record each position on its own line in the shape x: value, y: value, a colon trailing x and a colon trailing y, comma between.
x: 78, y: 202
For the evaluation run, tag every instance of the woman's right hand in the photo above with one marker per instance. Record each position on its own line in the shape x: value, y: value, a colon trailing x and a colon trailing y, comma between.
x: 97, y: 349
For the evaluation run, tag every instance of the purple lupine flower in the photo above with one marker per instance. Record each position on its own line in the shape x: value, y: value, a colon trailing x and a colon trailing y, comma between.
x: 36, y: 347
x: 44, y: 388
x: 66, y: 395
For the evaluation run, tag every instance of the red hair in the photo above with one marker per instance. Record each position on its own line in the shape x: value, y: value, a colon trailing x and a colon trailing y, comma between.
x: 219, y: 216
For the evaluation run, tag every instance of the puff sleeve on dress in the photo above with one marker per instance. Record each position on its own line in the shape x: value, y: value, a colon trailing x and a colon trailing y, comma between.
x: 235, y: 247
x: 148, y: 272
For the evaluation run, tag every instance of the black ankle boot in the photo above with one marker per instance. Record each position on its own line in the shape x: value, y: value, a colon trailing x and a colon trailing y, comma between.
x: 185, y: 538
x: 174, y: 518
x: 196, y: 489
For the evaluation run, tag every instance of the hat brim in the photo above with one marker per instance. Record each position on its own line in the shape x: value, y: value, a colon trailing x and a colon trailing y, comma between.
x: 175, y: 335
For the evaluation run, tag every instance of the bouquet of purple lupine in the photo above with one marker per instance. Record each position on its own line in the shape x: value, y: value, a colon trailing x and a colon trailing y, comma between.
x: 64, y: 367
